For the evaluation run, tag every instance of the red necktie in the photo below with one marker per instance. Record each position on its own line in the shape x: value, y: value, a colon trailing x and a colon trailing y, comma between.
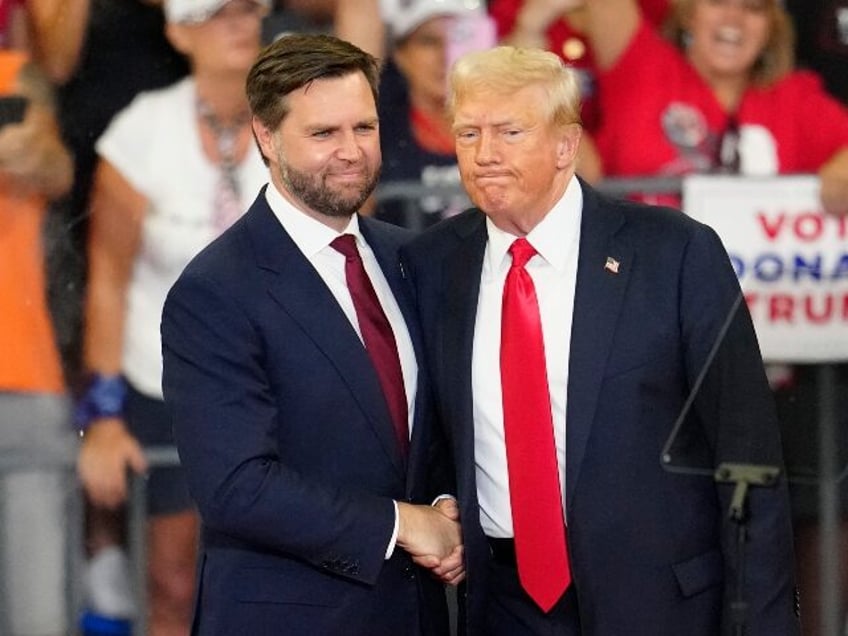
x: 378, y: 336
x: 534, y: 489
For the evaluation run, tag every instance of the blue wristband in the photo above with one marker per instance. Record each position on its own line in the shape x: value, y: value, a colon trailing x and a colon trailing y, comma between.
x: 105, y: 396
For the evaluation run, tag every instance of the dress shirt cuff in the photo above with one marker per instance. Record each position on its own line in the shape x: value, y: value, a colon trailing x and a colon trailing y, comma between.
x: 393, y: 541
x: 441, y: 497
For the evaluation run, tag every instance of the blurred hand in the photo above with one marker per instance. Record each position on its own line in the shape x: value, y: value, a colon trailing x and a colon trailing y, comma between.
x: 834, y: 184
x: 539, y: 14
x: 32, y: 157
x: 108, y: 452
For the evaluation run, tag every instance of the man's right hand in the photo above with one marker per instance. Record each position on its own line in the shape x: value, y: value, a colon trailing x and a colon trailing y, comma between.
x: 426, y: 533
x: 108, y: 451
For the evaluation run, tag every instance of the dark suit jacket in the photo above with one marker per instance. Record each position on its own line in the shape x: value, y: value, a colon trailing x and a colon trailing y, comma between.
x: 651, y: 552
x: 288, y: 445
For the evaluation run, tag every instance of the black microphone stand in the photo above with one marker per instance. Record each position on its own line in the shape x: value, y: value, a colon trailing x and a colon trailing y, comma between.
x: 743, y: 476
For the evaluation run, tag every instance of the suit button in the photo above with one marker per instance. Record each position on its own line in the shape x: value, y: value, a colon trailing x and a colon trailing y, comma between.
x: 409, y: 572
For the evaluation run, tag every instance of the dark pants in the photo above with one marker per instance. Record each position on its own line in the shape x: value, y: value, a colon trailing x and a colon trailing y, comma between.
x: 511, y: 612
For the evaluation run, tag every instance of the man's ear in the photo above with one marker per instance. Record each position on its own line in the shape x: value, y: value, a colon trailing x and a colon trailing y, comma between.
x: 264, y: 137
x: 568, y: 144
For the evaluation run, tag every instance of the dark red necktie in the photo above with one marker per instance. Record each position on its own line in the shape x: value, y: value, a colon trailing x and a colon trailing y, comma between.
x: 534, y: 489
x: 377, y: 335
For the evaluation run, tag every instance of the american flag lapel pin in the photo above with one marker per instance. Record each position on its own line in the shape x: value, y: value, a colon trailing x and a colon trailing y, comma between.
x: 611, y: 265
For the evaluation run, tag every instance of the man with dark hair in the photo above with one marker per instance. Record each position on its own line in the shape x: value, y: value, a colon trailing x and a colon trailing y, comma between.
x: 291, y: 373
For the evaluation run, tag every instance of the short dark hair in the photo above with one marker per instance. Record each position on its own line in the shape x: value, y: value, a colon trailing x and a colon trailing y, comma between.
x: 296, y: 60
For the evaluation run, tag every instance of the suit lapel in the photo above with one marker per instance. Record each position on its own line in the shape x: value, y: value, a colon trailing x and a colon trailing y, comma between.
x: 598, y: 296
x: 302, y: 294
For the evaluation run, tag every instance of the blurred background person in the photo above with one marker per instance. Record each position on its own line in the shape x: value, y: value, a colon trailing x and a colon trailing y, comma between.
x: 100, y: 54
x: 176, y: 167
x: 35, y: 168
x: 822, y: 28
x: 360, y: 22
x: 719, y: 95
x: 416, y: 137
x: 298, y: 16
x: 558, y: 26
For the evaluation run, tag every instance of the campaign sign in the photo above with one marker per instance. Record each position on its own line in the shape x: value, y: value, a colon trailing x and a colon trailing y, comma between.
x: 791, y: 259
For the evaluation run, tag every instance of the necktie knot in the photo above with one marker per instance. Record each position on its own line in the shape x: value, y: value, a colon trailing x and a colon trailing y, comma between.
x: 346, y: 244
x: 521, y: 252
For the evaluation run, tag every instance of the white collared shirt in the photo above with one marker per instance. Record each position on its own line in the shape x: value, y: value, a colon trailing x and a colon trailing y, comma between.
x: 554, y: 272
x: 313, y: 238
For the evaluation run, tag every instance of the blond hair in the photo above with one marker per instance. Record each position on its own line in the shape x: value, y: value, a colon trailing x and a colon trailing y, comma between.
x: 503, y: 70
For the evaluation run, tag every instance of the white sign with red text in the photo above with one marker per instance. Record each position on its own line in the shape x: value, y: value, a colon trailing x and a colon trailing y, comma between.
x: 791, y: 259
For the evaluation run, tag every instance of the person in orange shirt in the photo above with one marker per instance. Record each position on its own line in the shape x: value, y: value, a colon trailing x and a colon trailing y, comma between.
x: 35, y: 168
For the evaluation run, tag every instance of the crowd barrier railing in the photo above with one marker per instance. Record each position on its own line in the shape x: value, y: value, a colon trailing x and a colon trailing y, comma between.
x: 74, y: 601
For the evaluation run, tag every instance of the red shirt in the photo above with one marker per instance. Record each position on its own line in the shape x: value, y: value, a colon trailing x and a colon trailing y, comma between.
x: 660, y: 117
x: 572, y: 46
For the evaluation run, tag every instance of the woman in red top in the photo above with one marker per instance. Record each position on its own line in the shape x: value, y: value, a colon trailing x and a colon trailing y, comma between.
x: 719, y: 95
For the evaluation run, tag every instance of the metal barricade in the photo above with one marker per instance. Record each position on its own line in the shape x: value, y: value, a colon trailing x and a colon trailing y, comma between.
x: 61, y: 463
x: 74, y: 531
x: 159, y: 456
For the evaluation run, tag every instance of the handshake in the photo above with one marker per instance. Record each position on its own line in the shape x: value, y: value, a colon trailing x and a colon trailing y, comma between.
x: 432, y: 535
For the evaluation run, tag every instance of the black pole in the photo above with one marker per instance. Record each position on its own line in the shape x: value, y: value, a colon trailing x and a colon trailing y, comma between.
x: 743, y: 476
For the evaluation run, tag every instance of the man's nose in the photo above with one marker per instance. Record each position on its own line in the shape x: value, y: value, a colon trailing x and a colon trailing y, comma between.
x: 486, y: 150
x: 349, y: 147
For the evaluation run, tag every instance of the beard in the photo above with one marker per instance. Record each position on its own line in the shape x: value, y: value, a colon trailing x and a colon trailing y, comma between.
x: 315, y: 193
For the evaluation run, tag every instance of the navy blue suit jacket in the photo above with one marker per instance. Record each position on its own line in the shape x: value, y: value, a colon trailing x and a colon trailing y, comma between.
x: 652, y: 553
x: 288, y: 445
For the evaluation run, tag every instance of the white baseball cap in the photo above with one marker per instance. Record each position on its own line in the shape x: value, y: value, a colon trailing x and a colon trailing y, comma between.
x: 404, y: 16
x: 194, y: 11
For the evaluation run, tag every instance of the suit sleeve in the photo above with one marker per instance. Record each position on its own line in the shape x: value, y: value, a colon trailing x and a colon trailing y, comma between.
x: 736, y: 411
x: 225, y: 424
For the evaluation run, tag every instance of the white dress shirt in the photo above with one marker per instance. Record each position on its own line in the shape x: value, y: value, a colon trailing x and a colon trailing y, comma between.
x: 554, y: 272
x: 313, y: 238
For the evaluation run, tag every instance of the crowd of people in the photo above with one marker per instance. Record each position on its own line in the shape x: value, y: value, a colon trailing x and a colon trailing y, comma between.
x: 129, y: 144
